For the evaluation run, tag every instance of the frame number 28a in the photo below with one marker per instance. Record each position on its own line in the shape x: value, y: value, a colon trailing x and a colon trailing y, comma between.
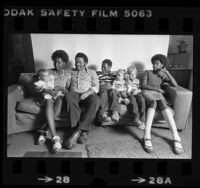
x: 160, y: 180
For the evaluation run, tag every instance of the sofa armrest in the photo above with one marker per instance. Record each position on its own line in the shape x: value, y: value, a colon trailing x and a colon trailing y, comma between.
x: 181, y: 100
x: 15, y: 94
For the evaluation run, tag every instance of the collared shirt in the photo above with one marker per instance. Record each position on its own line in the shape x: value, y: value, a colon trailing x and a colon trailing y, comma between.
x: 83, y: 80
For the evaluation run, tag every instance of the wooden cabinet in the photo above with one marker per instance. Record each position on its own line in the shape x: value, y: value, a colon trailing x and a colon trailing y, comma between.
x: 179, y: 60
x: 182, y: 76
x: 18, y: 55
x: 180, y: 66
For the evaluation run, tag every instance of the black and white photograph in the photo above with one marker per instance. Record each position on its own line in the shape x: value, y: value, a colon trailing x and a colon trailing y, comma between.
x: 99, y: 95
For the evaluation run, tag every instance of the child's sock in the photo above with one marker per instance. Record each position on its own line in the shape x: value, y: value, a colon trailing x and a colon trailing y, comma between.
x: 170, y: 120
x: 149, y: 121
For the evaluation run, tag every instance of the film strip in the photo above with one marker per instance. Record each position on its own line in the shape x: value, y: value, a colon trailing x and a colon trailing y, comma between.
x: 112, y: 21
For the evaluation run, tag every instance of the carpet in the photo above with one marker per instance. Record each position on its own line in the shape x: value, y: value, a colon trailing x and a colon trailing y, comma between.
x: 132, y: 148
x: 48, y: 154
x: 118, y: 149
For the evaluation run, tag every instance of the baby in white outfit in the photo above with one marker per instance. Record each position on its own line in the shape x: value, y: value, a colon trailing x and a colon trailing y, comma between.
x: 46, y: 81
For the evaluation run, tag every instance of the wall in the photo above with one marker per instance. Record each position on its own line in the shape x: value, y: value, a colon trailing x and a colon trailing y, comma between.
x: 123, y: 50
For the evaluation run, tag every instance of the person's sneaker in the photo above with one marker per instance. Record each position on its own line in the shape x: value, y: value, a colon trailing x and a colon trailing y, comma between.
x: 56, y: 144
x: 115, y: 116
x: 105, y: 117
x: 136, y: 121
x: 42, y: 137
x: 142, y: 126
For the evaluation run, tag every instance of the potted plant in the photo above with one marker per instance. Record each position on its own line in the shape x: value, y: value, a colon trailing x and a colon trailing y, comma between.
x: 182, y: 46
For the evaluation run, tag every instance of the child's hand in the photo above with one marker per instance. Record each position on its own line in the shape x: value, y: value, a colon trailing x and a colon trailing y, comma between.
x: 59, y: 94
x: 161, y: 91
x: 126, y: 101
x: 134, y: 92
x: 120, y: 100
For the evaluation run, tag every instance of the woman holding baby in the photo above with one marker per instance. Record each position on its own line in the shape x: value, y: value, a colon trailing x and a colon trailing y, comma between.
x: 53, y: 91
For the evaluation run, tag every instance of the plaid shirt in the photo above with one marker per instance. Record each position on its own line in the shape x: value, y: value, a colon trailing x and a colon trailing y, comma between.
x: 83, y: 80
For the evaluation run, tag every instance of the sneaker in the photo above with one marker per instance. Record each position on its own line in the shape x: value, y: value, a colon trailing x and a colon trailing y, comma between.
x: 56, y: 144
x: 115, y: 116
x: 136, y: 122
x: 105, y: 117
x: 142, y: 126
x: 42, y: 137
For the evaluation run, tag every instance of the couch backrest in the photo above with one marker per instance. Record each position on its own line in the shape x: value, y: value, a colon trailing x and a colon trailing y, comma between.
x: 139, y: 74
x: 27, y: 80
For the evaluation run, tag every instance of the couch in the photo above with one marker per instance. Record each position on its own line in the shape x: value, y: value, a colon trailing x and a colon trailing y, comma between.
x: 24, y: 114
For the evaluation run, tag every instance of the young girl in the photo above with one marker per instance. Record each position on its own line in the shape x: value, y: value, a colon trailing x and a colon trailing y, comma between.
x: 152, y: 84
x: 119, y: 89
x: 137, y: 100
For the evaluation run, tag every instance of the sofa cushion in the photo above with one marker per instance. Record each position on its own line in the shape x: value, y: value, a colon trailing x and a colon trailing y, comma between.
x: 27, y: 80
x: 29, y: 105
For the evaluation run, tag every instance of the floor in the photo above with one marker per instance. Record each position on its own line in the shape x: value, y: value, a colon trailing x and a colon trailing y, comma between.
x: 19, y: 144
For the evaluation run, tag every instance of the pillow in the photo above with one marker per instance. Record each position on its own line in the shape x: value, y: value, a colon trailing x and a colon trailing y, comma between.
x: 27, y: 80
x: 28, y: 105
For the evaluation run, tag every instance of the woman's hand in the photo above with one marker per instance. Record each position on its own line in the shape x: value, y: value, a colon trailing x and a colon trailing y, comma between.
x: 170, y: 78
x: 50, y: 92
x: 63, y: 90
x: 163, y: 74
x: 59, y: 94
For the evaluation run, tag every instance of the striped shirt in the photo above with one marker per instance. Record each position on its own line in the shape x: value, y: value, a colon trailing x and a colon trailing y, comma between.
x: 106, y: 79
x: 83, y: 80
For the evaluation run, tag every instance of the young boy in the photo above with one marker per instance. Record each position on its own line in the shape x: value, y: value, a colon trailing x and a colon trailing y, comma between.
x: 108, y: 100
